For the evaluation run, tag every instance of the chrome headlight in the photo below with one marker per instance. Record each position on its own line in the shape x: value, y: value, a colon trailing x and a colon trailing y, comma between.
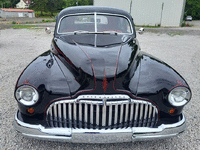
x: 27, y: 95
x: 179, y: 96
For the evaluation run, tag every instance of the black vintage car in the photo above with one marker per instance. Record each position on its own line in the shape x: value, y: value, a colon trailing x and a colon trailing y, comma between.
x: 95, y: 85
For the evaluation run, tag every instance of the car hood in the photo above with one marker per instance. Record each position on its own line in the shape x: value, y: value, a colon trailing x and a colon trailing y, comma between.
x: 97, y: 55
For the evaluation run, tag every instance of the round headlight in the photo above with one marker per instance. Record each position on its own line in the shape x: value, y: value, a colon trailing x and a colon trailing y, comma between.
x: 179, y: 96
x: 27, y: 95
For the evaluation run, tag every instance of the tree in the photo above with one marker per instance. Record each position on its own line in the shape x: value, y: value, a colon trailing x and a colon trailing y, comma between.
x: 55, y: 6
x: 192, y: 8
x: 39, y: 5
x: 5, y: 3
x: 78, y: 2
x: 13, y: 3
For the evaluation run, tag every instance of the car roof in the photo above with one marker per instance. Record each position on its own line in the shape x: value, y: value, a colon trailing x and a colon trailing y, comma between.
x: 90, y: 9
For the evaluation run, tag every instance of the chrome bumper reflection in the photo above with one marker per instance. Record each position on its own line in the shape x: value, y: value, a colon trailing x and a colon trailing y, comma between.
x: 99, y: 136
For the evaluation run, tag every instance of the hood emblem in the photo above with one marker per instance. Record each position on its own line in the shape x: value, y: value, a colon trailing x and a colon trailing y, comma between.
x: 105, y: 83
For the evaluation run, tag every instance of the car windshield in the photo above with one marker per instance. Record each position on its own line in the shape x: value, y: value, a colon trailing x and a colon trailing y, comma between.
x: 94, y: 23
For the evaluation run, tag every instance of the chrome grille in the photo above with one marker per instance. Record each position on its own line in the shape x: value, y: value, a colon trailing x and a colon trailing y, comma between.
x: 102, y: 112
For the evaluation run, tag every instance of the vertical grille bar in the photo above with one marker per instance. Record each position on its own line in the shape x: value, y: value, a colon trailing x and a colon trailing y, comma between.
x: 149, y: 117
x: 59, y: 115
x: 51, y: 118
x: 65, y: 114
x: 97, y: 115
x: 153, y: 117
x: 145, y: 115
x: 104, y: 116
x: 131, y: 112
x: 55, y: 116
x: 70, y: 114
x: 75, y: 115
x: 86, y: 115
x: 80, y: 115
x: 116, y: 114
x: 136, y: 114
x: 91, y: 114
x: 141, y: 114
x: 121, y: 113
x: 126, y: 114
x: 110, y: 115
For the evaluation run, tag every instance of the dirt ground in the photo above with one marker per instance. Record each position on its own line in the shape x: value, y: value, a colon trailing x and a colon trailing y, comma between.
x: 19, y: 47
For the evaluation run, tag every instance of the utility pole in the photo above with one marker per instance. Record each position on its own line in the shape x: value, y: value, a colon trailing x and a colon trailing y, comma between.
x: 130, y: 6
x: 161, y: 13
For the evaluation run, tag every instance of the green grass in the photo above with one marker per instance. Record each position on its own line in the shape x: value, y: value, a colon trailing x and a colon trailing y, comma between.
x: 47, y: 20
x: 184, y: 24
x: 148, y: 26
x: 13, y: 22
x: 23, y: 26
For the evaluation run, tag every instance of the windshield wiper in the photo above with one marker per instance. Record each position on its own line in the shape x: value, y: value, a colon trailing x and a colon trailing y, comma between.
x: 81, y: 32
x: 110, y: 32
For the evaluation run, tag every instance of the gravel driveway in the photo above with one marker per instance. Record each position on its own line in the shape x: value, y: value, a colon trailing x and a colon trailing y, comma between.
x: 20, y: 46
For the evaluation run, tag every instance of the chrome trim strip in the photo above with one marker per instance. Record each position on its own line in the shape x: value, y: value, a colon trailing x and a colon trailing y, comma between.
x: 103, y: 136
x: 95, y: 22
x: 98, y: 100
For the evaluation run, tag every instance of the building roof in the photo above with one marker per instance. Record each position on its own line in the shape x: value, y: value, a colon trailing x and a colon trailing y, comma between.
x: 17, y: 10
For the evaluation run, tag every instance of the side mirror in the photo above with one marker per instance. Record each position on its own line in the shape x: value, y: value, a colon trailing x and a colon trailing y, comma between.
x: 48, y: 30
x: 141, y: 31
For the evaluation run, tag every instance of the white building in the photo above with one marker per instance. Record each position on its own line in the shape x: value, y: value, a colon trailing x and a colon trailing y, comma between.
x: 150, y: 12
x: 23, y: 4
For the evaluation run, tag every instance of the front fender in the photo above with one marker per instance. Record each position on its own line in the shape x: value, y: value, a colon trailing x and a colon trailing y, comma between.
x: 153, y: 79
x: 45, y: 75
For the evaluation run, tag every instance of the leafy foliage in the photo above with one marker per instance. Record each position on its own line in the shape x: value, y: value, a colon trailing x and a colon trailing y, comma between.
x: 39, y: 5
x: 54, y: 6
x: 192, y: 8
x: 5, y: 3
x: 78, y: 2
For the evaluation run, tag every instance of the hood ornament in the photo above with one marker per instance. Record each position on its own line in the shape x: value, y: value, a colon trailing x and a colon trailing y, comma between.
x: 104, y: 102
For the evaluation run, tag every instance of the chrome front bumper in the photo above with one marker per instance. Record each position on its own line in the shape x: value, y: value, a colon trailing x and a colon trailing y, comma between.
x: 99, y: 136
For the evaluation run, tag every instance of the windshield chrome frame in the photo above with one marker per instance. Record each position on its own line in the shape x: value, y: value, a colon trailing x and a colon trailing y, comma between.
x: 95, y: 14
